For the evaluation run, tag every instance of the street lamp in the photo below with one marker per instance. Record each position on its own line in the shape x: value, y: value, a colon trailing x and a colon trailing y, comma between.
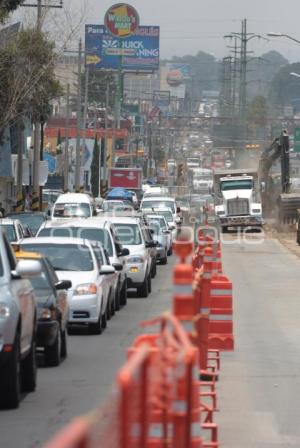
x: 272, y: 34
x: 295, y: 74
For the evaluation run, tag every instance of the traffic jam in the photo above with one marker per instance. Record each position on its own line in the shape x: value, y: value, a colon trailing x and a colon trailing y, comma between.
x: 72, y: 266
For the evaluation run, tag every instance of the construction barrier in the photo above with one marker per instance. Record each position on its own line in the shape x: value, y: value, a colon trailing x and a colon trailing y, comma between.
x: 35, y: 202
x: 166, y: 395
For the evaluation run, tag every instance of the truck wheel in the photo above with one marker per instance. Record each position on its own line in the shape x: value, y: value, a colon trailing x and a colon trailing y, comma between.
x: 53, y: 353
x: 29, y: 369
x: 143, y: 290
x: 224, y: 229
x: 96, y: 328
x: 64, y: 345
x: 10, y: 375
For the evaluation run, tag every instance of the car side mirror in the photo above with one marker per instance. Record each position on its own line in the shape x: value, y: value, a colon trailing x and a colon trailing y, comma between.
x: 118, y: 266
x: 166, y: 232
x: 124, y: 252
x: 107, y: 269
x: 63, y: 284
x: 49, y: 213
x: 28, y: 268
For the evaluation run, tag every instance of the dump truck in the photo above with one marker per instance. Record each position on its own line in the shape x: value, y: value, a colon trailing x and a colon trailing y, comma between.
x: 237, y: 198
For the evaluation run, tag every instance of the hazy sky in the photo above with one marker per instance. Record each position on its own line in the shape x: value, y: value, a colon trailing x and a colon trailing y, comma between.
x: 192, y: 25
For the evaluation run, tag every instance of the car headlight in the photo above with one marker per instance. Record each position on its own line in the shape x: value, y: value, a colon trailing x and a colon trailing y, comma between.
x: 136, y: 259
x: 86, y: 288
x: 4, y: 311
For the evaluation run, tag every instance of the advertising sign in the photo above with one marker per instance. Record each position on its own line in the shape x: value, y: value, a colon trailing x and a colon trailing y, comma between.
x: 125, y: 177
x: 173, y: 78
x: 121, y: 20
x: 138, y: 52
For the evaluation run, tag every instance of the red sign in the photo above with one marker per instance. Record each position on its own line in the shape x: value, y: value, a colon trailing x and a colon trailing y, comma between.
x: 130, y: 178
x: 121, y: 20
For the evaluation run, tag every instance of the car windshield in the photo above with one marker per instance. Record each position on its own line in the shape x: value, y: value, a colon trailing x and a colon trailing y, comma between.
x: 129, y: 234
x: 64, y: 257
x: 69, y: 210
x: 32, y: 220
x: 158, y: 204
x: 236, y: 185
x: 50, y: 197
x: 167, y: 214
x: 110, y: 206
x: 100, y: 235
x: 9, y: 229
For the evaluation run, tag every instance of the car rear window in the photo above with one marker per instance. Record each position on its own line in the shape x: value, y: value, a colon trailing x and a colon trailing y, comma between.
x: 92, y: 234
x: 64, y: 257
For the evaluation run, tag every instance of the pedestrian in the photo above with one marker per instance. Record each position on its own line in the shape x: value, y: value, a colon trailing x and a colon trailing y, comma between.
x: 2, y: 210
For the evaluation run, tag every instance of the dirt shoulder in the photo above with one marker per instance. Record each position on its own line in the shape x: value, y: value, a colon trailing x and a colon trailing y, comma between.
x: 286, y: 235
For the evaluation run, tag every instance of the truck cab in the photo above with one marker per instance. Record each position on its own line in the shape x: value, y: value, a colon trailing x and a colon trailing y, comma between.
x: 237, y: 197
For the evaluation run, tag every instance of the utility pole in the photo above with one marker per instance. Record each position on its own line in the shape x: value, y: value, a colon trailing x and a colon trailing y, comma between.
x: 20, y: 201
x: 66, y: 158
x: 78, y: 136
x: 37, y: 139
x: 85, y: 107
x: 106, y: 134
x: 285, y: 162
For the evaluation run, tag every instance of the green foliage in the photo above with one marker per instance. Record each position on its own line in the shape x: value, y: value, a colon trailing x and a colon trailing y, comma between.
x: 95, y: 169
x: 285, y: 88
x: 97, y: 82
x: 262, y: 71
x: 258, y: 112
x: 27, y: 79
x: 7, y: 6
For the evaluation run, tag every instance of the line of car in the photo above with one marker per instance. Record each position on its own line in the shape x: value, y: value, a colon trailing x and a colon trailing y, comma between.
x: 73, y: 272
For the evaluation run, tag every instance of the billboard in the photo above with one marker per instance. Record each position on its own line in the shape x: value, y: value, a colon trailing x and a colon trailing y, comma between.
x: 121, y: 20
x: 173, y: 77
x: 138, y: 52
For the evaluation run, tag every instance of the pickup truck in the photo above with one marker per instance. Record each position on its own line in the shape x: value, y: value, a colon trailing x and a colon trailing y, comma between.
x: 17, y: 325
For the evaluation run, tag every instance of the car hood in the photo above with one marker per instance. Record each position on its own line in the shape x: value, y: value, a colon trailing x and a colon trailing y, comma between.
x: 135, y: 250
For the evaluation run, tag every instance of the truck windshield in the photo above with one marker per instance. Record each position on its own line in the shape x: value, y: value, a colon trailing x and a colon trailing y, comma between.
x: 237, y: 185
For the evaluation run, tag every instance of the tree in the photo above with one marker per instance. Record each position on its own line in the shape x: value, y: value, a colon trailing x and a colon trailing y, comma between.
x: 95, y: 169
x: 285, y: 88
x: 27, y: 79
x: 8, y: 6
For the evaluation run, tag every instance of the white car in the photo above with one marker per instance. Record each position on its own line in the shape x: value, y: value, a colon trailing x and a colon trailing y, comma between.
x: 101, y: 230
x: 131, y: 235
x: 78, y: 260
x: 161, y: 234
x: 156, y: 190
x: 73, y: 205
x: 14, y: 230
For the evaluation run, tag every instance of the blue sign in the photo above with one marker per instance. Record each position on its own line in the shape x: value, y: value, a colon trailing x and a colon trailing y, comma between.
x: 139, y: 52
x: 51, y: 162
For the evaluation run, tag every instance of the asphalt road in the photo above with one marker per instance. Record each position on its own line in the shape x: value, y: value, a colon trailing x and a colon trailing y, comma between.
x: 259, y: 387
x: 260, y: 381
x: 84, y: 379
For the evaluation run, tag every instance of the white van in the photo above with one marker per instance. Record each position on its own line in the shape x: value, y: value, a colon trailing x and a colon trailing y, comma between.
x: 73, y: 205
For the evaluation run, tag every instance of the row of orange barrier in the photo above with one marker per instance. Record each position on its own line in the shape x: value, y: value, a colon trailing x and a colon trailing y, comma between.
x: 166, y: 392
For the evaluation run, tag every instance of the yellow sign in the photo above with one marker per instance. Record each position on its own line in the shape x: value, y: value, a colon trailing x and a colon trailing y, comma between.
x: 252, y: 146
x: 92, y: 59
